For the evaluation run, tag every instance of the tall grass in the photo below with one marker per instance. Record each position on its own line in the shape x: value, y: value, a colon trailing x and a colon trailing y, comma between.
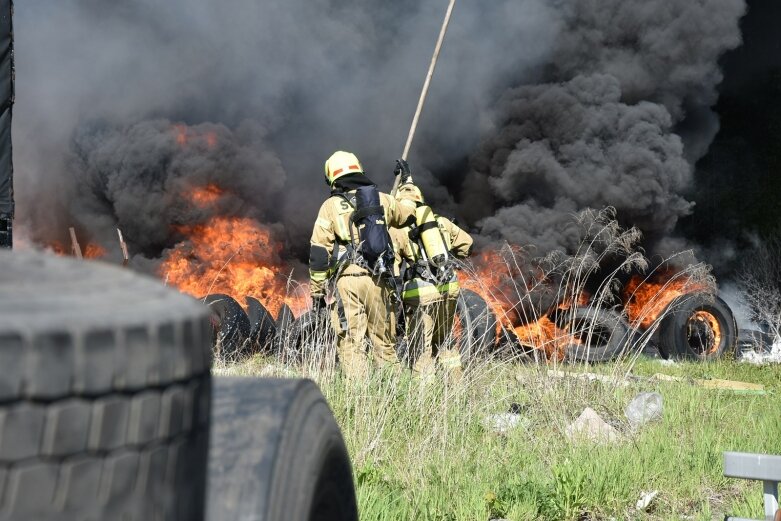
x: 430, y: 449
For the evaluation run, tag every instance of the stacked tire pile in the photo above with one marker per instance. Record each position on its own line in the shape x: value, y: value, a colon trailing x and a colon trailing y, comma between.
x: 238, y: 333
x: 695, y: 326
x: 104, y: 393
x: 107, y: 410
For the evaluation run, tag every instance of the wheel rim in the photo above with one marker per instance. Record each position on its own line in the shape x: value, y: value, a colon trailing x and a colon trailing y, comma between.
x: 703, y: 332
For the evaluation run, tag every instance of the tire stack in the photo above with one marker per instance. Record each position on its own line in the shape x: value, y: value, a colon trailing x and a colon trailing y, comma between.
x: 237, y: 334
x: 104, y: 393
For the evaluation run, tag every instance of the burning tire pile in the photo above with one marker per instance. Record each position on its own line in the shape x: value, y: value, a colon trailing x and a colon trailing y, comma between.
x: 696, y: 325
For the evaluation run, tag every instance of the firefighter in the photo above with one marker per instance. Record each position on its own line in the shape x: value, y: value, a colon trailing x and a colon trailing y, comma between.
x: 430, y: 288
x: 361, y: 298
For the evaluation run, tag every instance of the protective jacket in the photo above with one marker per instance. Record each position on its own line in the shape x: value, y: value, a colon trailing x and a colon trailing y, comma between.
x: 331, y: 244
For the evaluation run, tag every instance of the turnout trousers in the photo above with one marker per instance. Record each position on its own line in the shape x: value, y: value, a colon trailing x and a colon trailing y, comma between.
x: 428, y: 331
x: 364, y: 311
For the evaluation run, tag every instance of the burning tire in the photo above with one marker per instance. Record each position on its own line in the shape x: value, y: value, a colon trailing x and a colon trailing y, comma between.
x: 231, y: 327
x: 601, y: 334
x: 277, y: 453
x: 697, y: 326
x: 307, y: 337
x: 262, y: 326
x: 285, y: 319
x: 104, y: 393
x: 477, y: 324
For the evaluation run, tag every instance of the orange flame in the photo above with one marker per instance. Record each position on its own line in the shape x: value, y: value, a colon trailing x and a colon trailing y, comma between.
x: 184, y: 135
x: 645, y: 300
x: 492, y: 280
x: 495, y: 279
x: 232, y: 255
x: 92, y: 250
x: 181, y: 134
x: 546, y: 336
x: 204, y: 196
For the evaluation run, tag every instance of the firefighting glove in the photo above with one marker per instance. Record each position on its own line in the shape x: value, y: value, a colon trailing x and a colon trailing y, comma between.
x: 402, y: 169
x: 318, y: 303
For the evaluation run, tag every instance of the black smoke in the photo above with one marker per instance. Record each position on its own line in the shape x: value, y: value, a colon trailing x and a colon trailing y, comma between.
x: 623, y: 114
x: 737, y: 184
x: 538, y: 110
x: 97, y: 80
x: 138, y: 178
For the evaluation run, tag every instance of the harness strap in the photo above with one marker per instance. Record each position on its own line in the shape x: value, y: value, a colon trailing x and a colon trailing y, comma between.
x: 367, y: 211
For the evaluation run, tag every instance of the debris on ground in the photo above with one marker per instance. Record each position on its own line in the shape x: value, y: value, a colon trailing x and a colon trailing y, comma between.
x: 503, y: 423
x: 591, y: 427
x: 591, y: 377
x: 644, y: 408
x: 646, y: 498
x: 707, y: 383
x: 773, y: 356
x: 715, y: 383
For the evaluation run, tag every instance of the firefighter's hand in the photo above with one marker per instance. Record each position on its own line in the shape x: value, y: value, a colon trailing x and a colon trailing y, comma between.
x: 402, y: 169
x: 318, y: 303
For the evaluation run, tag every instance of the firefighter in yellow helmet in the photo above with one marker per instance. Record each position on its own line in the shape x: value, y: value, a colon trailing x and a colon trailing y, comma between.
x: 428, y: 248
x: 360, y: 294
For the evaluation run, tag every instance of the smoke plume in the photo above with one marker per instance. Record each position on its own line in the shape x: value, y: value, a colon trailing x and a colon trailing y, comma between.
x: 538, y: 110
x: 605, y: 128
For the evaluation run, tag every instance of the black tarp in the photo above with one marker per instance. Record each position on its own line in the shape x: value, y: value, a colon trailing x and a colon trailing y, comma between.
x: 6, y: 103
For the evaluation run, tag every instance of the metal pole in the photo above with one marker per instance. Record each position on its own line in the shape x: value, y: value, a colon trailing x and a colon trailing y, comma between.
x: 425, y: 89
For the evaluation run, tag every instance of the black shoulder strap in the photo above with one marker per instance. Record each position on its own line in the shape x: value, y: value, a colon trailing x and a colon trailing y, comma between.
x: 344, y: 196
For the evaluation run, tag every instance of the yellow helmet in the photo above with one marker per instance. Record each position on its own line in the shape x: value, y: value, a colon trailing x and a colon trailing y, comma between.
x: 340, y: 164
x: 409, y: 192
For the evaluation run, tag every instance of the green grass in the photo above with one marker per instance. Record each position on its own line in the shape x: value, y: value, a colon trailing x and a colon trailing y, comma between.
x: 424, y: 451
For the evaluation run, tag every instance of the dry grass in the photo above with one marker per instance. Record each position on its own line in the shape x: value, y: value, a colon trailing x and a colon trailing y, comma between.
x: 429, y: 449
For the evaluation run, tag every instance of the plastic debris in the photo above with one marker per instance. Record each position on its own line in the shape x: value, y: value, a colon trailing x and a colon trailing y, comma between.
x: 773, y: 356
x: 646, y: 498
x: 644, y: 408
x: 505, y: 422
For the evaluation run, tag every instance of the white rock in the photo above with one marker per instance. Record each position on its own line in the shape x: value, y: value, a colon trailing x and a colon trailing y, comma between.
x: 590, y: 426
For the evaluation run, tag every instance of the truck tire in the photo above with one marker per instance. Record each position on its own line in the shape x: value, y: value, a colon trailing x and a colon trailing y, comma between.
x: 308, y: 339
x: 231, y: 327
x: 603, y: 334
x: 477, y: 322
x: 698, y: 326
x: 285, y: 319
x: 276, y: 454
x: 104, y: 393
x: 262, y: 326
